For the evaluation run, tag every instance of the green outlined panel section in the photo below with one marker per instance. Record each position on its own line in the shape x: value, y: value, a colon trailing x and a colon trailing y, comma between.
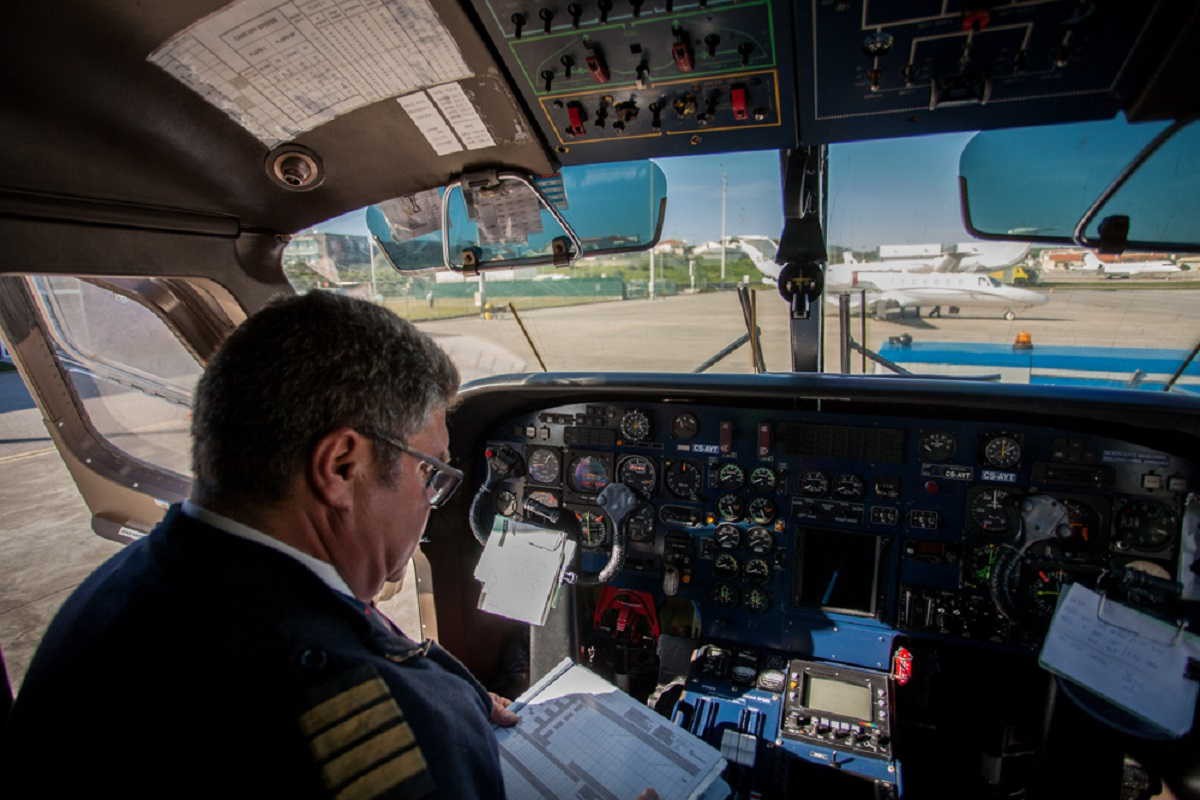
x: 689, y: 40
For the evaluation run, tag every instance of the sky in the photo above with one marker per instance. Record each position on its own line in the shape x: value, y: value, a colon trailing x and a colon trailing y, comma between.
x: 894, y: 191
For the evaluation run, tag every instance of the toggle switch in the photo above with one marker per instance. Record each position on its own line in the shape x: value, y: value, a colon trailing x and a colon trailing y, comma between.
x: 547, y: 16
x: 681, y: 51
x: 518, y: 21
x: 567, y: 61
x: 737, y: 99
x: 656, y: 109
x: 744, y: 50
x: 597, y: 66
x: 576, y: 11
x: 711, y: 41
x: 605, y: 6
x: 637, y: 7
x: 576, y: 116
x: 548, y: 77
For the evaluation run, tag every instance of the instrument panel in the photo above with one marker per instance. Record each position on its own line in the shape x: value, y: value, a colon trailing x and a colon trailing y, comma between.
x: 829, y: 535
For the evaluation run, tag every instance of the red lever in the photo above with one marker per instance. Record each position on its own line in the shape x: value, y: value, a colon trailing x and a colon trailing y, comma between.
x: 685, y: 61
x: 596, y: 66
x: 575, y: 118
x: 737, y: 98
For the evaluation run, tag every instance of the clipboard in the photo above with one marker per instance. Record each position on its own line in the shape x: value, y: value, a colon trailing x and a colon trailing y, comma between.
x: 1134, y: 661
x: 521, y: 569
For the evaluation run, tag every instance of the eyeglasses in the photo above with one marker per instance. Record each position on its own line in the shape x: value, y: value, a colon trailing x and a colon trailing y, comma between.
x: 443, y: 479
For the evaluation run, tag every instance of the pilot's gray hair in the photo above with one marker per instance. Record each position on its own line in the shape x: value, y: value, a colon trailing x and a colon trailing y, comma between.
x: 298, y: 369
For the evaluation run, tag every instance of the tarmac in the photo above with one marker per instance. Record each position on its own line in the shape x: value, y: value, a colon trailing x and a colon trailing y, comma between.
x: 46, y: 543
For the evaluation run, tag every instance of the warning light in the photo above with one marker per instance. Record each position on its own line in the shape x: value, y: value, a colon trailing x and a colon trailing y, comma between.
x: 489, y: 453
x: 1024, y: 341
x: 902, y: 666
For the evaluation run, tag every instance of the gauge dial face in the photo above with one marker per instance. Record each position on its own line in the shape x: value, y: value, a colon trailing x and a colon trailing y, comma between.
x: 548, y: 499
x: 1002, y: 451
x: 730, y: 507
x: 639, y: 526
x: 813, y: 483
x: 1145, y: 525
x: 728, y: 537
x: 849, y: 485
x: 757, y: 600
x: 1083, y: 525
x: 762, y: 510
x: 589, y: 474
x: 937, y: 445
x: 887, y: 487
x: 639, y: 474
x: 593, y: 530
x: 991, y: 510
x: 763, y: 478
x: 635, y: 425
x: 685, y: 426
x: 506, y: 503
x: 726, y: 564
x: 683, y: 479
x: 760, y: 541
x: 725, y: 595
x: 730, y: 476
x: 544, y: 465
x: 757, y: 569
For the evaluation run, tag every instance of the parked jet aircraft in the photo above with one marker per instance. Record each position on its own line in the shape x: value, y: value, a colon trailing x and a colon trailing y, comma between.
x: 1118, y: 269
x: 906, y: 289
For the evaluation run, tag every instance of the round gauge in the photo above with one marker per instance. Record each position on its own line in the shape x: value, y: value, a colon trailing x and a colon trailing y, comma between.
x: 937, y: 445
x: 991, y: 510
x: 762, y: 478
x: 1145, y: 525
x: 726, y: 564
x: 588, y: 474
x: 813, y: 483
x: 506, y: 503
x: 760, y: 541
x: 757, y: 600
x: 685, y: 426
x: 639, y: 526
x: 725, y: 595
x: 1002, y: 451
x: 848, y: 485
x: 730, y: 476
x: 683, y: 478
x: 757, y: 569
x: 762, y: 510
x: 730, y: 507
x: 635, y: 425
x: 593, y: 531
x: 544, y: 465
x: 639, y: 474
x: 548, y: 499
x: 728, y: 537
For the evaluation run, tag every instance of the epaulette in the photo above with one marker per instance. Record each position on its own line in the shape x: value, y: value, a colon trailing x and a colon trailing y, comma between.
x: 360, y: 740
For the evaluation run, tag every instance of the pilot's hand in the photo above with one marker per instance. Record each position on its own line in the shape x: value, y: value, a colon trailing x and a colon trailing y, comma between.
x: 505, y: 718
x: 648, y: 794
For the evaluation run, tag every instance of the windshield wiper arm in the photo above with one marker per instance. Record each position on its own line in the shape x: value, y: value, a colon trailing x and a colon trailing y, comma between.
x: 1182, y: 367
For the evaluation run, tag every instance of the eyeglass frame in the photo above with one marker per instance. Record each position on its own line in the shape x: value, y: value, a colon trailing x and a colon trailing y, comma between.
x: 437, y: 464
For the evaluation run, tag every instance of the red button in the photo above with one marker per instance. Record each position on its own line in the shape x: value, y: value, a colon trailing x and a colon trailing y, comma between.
x: 932, y: 487
x: 737, y: 98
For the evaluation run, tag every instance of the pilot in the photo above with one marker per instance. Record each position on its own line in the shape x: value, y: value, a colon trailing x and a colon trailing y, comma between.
x: 236, y: 651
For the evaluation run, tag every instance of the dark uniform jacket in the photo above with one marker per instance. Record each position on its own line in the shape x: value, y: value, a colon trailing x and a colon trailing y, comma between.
x: 195, y: 663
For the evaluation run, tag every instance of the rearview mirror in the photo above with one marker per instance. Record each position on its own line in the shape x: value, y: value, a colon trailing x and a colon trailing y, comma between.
x: 496, y: 219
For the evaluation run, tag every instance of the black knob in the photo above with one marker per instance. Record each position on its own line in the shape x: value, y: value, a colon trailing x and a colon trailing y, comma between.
x: 576, y: 11
x: 744, y: 50
x: 711, y: 41
x: 605, y: 6
x: 548, y: 77
x: 546, y: 15
x: 637, y: 7
x: 567, y: 61
x: 518, y: 21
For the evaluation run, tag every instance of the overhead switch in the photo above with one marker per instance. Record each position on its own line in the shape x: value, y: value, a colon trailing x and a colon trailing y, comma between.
x: 575, y: 119
x: 597, y: 66
x: 737, y: 99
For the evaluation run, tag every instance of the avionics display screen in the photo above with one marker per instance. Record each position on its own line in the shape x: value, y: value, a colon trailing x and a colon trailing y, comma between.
x: 878, y: 445
x: 837, y: 697
x: 837, y: 570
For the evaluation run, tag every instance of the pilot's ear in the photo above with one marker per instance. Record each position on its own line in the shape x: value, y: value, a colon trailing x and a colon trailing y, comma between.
x: 336, y: 462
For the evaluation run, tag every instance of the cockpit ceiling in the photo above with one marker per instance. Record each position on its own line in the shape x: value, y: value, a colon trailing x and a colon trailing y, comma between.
x: 88, y: 115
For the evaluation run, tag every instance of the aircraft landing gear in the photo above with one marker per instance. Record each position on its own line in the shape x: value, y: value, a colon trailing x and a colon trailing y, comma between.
x: 1009, y: 316
x: 936, y: 311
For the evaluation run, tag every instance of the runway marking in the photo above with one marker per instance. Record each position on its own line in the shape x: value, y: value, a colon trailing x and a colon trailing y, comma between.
x: 28, y: 454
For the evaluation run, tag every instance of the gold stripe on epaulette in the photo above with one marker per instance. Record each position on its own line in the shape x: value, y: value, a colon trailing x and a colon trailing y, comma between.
x: 374, y: 750
x: 356, y: 727
x: 386, y: 776
x: 342, y: 705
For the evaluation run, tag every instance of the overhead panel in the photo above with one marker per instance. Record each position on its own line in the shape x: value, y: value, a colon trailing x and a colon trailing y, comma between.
x: 621, y: 79
x: 904, y: 67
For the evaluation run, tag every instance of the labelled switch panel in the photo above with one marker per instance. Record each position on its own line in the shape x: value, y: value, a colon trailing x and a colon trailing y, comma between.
x: 908, y: 67
x: 638, y: 78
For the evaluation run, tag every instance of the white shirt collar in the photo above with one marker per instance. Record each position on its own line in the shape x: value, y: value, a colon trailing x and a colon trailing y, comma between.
x: 322, y: 569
